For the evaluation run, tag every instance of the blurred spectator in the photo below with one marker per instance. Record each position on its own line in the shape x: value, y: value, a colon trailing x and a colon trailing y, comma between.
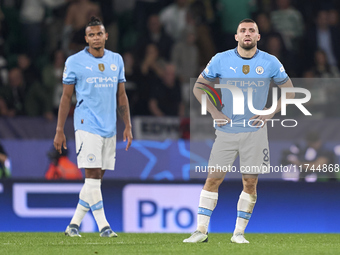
x: 203, y: 9
x: 272, y: 42
x: 152, y: 71
x: 323, y: 37
x: 318, y: 88
x: 152, y: 65
x: 230, y: 14
x: 144, y: 8
x: 38, y: 101
x: 3, y: 71
x: 165, y: 97
x: 78, y: 15
x: 329, y: 91
x: 204, y: 40
x: 333, y: 17
x: 5, y: 165
x: 38, y: 94
x: 155, y: 35
x: 288, y: 22
x: 30, y: 73
x: 11, y: 30
x: 54, y: 24
x: 32, y: 17
x: 311, y: 155
x: 266, y: 30
x: 275, y: 47
x: 132, y: 75
x: 3, y: 32
x: 322, y: 68
x: 173, y: 18
x: 61, y: 168
x: 185, y: 56
x: 13, y: 95
x: 38, y: 97
x: 52, y: 79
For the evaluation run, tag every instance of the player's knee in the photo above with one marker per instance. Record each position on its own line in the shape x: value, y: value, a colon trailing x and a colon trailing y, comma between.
x: 249, y: 185
x: 93, y: 173
x: 212, y: 184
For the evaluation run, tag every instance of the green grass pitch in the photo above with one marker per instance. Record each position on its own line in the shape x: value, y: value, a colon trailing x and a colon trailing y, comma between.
x: 127, y: 243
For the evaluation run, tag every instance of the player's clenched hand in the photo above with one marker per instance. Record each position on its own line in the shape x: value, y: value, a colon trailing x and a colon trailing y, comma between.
x: 220, y: 118
x: 59, y: 140
x: 261, y: 120
x: 127, y: 135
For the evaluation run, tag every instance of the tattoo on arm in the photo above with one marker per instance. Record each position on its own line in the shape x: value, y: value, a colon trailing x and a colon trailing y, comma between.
x: 122, y: 110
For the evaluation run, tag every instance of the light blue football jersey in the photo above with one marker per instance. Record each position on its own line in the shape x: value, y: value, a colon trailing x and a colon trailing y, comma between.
x: 256, y: 72
x: 96, y: 84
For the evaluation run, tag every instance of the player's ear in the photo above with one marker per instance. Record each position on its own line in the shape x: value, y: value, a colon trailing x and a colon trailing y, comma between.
x: 106, y: 36
x: 236, y: 37
x: 258, y: 37
x: 86, y: 39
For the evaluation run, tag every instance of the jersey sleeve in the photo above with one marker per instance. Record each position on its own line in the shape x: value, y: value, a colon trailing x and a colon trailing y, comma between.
x: 121, y: 76
x: 212, y: 69
x: 279, y: 74
x: 69, y: 75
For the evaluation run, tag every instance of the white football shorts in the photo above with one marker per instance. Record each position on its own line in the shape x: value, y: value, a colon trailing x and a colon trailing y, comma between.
x: 94, y: 151
x: 252, y: 147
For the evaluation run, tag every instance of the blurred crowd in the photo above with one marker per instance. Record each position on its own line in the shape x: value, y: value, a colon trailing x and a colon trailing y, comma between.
x: 164, y: 43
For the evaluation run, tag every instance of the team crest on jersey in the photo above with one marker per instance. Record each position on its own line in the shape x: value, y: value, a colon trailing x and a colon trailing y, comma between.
x: 101, y: 67
x: 113, y: 67
x: 91, y: 158
x: 259, y: 70
x: 245, y: 69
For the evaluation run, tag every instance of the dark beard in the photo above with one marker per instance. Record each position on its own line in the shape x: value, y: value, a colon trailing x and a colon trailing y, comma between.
x: 97, y: 48
x: 248, y: 47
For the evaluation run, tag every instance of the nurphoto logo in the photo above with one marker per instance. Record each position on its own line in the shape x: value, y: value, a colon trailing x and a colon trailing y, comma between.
x: 239, y: 102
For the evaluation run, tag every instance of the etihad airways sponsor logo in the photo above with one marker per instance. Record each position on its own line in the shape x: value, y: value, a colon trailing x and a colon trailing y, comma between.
x: 241, y: 83
x: 101, y: 79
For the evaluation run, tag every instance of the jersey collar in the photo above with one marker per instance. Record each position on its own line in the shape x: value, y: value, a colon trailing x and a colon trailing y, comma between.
x: 86, y: 49
x: 237, y: 54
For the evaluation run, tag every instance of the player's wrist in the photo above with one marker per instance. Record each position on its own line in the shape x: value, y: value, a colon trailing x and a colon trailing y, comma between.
x: 213, y: 112
x: 59, y: 130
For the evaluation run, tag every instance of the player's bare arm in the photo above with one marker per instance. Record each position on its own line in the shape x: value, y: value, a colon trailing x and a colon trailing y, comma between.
x: 124, y: 113
x: 64, y: 108
x: 264, y: 118
x: 215, y: 113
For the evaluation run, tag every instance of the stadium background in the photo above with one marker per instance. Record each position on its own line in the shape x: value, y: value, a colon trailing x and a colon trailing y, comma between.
x: 151, y: 189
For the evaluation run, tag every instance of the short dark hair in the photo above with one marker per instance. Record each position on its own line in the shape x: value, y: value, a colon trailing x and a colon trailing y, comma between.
x: 94, y: 21
x: 247, y: 21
